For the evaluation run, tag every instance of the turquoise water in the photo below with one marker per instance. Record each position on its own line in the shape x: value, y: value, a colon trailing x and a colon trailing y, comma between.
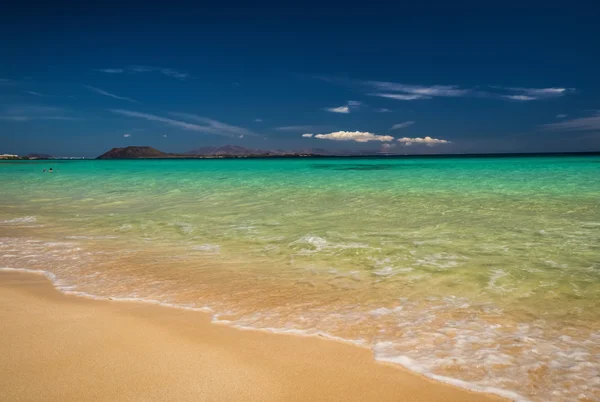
x: 481, y: 270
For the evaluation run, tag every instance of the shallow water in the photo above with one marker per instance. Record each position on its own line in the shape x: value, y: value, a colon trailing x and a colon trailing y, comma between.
x: 480, y: 270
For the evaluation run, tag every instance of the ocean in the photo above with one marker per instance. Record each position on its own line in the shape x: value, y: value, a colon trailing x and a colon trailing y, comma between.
x: 479, y: 271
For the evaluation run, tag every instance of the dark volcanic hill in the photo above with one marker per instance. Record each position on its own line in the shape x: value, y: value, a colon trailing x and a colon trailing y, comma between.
x: 226, y: 151
x: 133, y: 153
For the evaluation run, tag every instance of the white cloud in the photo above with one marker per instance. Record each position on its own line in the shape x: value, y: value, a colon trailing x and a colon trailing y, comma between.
x: 399, y: 96
x: 561, y: 116
x: 164, y: 135
x: 298, y: 128
x: 387, y: 146
x: 6, y: 82
x: 33, y: 93
x: 126, y: 135
x: 356, y: 136
x: 402, y: 125
x: 17, y: 118
x: 212, y: 126
x: 418, y: 140
x: 539, y: 93
x: 426, y: 91
x: 350, y: 105
x: 174, y: 73
x: 105, y: 93
x: 171, y: 122
x: 520, y: 97
x: 241, y: 135
x: 33, y: 110
x: 169, y: 72
x: 30, y: 118
x: 258, y: 120
x: 529, y: 94
x: 307, y: 135
x: 405, y: 92
x: 409, y: 92
x: 579, y: 124
x: 382, y: 110
x: 65, y: 118
x: 217, y: 125
x: 23, y: 113
x: 111, y: 70
x: 341, y: 109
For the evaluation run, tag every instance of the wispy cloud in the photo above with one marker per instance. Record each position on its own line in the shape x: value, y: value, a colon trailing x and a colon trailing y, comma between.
x: 22, y: 113
x: 410, y: 92
x: 536, y: 93
x: 299, y: 128
x: 217, y: 125
x: 402, y: 125
x: 561, y: 116
x: 33, y: 93
x: 258, y: 120
x: 349, y: 106
x: 106, y: 93
x: 127, y: 135
x: 519, y: 97
x: 111, y: 70
x: 425, y: 141
x: 65, y: 118
x: 356, y: 136
x: 169, y: 72
x: 400, y: 91
x: 382, y: 110
x: 30, y: 118
x: 6, y: 82
x: 340, y: 109
x: 419, y: 90
x: 590, y: 123
x: 403, y: 97
x: 525, y: 94
x: 211, y: 126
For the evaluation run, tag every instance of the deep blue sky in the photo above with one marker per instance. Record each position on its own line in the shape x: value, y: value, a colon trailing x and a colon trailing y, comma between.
x: 78, y: 79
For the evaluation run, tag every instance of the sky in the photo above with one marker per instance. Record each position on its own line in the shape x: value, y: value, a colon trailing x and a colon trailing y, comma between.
x: 448, y: 77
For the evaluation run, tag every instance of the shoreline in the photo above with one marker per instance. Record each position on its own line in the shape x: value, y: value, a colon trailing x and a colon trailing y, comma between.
x: 156, y: 351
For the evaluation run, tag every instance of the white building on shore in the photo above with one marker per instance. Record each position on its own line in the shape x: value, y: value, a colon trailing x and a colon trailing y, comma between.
x: 8, y: 156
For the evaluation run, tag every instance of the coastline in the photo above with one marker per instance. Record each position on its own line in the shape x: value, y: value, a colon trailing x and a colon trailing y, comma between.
x: 64, y: 347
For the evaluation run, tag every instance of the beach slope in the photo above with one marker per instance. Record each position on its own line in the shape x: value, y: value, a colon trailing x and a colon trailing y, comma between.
x: 57, y: 347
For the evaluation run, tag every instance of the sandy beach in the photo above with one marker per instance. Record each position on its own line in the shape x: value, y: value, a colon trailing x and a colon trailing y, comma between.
x: 57, y: 347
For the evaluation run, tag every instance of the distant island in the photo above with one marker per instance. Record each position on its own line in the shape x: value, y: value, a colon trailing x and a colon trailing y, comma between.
x: 236, y: 151
x: 26, y: 157
x: 227, y: 151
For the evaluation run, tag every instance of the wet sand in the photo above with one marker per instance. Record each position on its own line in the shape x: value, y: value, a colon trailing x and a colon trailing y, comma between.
x: 65, y: 348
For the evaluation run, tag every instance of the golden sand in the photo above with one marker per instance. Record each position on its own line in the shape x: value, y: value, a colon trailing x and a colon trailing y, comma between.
x: 64, y: 348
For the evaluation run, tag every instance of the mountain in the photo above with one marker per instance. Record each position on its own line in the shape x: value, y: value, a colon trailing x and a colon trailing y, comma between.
x: 226, y: 150
x: 133, y: 153
x: 236, y: 150
x: 320, y: 152
x: 39, y: 156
